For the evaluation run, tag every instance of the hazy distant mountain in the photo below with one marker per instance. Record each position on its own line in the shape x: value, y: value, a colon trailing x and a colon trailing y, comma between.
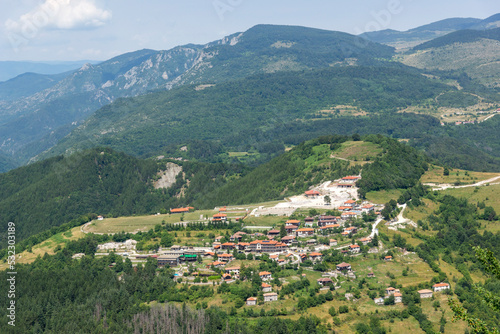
x: 27, y: 84
x: 59, y: 105
x: 11, y: 69
x: 415, y: 36
x: 476, y: 52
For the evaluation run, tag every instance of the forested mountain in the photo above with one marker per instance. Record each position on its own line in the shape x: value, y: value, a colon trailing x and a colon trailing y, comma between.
x: 430, y: 31
x: 142, y: 126
x: 53, y: 108
x: 470, y: 51
x: 49, y: 193
x: 462, y: 36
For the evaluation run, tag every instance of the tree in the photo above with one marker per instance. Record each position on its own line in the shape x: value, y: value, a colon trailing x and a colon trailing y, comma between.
x: 489, y: 213
x: 446, y: 171
x: 328, y: 200
x: 491, y: 266
x: 282, y: 231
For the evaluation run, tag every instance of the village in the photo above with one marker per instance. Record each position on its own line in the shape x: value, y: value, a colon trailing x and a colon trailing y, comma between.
x: 348, y: 228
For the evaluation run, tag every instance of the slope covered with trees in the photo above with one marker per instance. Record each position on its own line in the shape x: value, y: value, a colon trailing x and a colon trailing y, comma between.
x: 146, y: 124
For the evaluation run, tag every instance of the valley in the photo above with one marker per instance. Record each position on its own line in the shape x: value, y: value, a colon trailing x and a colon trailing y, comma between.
x: 281, y: 179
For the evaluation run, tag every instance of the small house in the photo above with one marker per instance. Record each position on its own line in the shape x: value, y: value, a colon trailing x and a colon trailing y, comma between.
x: 324, y: 281
x: 270, y: 297
x: 251, y: 301
x: 266, y: 287
x: 440, y: 287
x: 425, y: 293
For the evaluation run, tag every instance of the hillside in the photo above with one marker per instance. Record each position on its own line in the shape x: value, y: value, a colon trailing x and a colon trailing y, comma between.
x: 469, y: 51
x: 55, y: 191
x: 422, y: 34
x: 55, y: 108
x: 234, y: 112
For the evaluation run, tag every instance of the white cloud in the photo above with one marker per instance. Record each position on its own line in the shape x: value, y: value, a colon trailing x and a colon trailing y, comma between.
x: 60, y: 14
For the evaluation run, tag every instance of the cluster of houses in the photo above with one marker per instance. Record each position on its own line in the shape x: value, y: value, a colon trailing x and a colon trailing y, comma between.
x: 398, y: 296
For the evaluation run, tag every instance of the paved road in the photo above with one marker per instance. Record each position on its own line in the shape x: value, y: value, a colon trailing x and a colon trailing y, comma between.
x: 478, y: 184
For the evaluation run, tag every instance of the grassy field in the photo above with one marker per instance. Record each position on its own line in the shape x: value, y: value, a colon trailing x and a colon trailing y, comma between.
x: 265, y: 220
x: 384, y: 196
x: 490, y: 195
x: 421, y: 212
x: 435, y: 175
x: 357, y: 151
x: 48, y: 246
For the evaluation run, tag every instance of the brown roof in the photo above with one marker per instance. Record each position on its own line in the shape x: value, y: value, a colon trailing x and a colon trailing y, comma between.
x: 263, y: 273
x: 440, y: 285
x: 225, y: 255
x: 424, y: 291
x: 265, y: 285
x: 305, y: 229
x: 324, y: 279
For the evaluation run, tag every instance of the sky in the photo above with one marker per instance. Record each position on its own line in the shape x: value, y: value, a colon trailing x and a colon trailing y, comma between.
x: 69, y: 30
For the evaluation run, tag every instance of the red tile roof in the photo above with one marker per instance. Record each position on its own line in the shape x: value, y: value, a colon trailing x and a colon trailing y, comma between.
x: 312, y: 192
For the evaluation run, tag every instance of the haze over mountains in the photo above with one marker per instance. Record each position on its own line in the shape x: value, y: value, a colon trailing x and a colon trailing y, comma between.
x: 415, y: 36
x: 38, y: 110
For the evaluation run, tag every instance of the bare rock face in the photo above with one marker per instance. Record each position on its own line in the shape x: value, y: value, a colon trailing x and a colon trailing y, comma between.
x: 167, y: 177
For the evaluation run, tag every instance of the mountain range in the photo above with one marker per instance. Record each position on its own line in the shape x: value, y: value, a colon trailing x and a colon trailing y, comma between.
x: 415, y: 36
x: 267, y: 78
x: 64, y: 101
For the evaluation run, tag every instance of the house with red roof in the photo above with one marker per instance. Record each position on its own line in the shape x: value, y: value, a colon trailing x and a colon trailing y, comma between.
x: 304, y: 232
x: 350, y: 179
x: 292, y: 222
x: 251, y: 301
x: 266, y: 287
x: 273, y: 233
x: 344, y: 267
x: 354, y: 248
x: 365, y: 241
x: 228, y: 245
x: 350, y: 203
x: 265, y: 275
x: 226, y: 257
x: 315, y: 257
x: 312, y: 193
x: 440, y: 287
x: 221, y: 217
x: 324, y: 281
x: 181, y: 210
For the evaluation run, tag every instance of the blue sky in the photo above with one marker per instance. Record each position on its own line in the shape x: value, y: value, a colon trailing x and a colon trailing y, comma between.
x: 43, y: 30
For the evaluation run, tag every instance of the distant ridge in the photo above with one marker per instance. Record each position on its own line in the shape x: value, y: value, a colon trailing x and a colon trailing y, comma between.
x: 418, y: 35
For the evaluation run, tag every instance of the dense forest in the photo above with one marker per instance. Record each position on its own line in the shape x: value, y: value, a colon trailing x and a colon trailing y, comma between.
x: 57, y: 190
x: 260, y: 102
